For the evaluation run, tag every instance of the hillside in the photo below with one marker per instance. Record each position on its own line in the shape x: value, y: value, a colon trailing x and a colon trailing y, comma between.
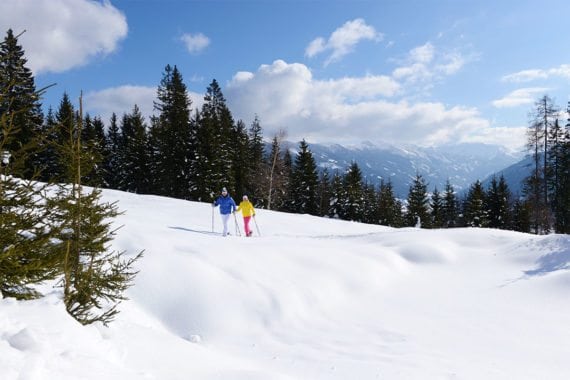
x: 310, y: 298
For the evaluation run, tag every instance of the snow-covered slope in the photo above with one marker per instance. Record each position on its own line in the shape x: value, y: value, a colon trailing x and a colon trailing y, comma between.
x: 310, y: 298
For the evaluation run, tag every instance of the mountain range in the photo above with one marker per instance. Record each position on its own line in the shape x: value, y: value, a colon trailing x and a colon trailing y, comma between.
x: 462, y: 164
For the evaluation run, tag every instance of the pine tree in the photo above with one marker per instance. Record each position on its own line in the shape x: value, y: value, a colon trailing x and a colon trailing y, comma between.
x: 370, y: 204
x: 21, y: 104
x: 276, y: 181
x: 450, y: 206
x: 57, y: 139
x: 324, y: 192
x: 47, y: 156
x: 499, y: 203
x: 112, y: 164
x: 304, y: 182
x: 214, y: 150
x: 256, y: 166
x: 338, y: 196
x: 93, y: 136
x: 95, y: 278
x: 521, y: 220
x: 241, y: 159
x: 172, y: 137
x: 475, y: 210
x: 135, y: 158
x: 437, y: 209
x: 27, y: 256
x: 389, y: 208
x: 418, y: 203
x: 354, y: 206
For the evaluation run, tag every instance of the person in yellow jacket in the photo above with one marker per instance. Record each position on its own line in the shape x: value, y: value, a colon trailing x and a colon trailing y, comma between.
x: 247, y: 211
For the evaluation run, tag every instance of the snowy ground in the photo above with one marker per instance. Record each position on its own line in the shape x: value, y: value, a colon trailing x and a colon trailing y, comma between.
x: 311, y: 298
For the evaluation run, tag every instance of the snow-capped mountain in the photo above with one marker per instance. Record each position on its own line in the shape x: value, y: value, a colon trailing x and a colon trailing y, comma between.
x: 462, y: 164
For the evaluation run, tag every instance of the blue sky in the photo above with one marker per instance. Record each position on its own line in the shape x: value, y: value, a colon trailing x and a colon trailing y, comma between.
x: 424, y: 72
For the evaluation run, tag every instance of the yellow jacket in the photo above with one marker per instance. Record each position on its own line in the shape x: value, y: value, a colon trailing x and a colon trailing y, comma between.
x: 246, y: 208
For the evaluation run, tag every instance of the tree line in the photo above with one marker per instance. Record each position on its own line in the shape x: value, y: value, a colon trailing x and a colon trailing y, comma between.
x: 190, y: 153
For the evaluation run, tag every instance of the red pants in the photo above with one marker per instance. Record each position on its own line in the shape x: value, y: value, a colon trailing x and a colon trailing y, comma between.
x: 246, y: 220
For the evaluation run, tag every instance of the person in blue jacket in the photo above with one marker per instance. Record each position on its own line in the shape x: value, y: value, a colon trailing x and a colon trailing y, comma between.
x: 227, y: 206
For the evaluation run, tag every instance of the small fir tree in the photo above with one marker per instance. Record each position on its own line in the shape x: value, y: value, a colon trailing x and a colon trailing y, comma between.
x: 95, y: 278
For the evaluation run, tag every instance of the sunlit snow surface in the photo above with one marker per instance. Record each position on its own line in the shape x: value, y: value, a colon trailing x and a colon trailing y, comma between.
x: 311, y: 298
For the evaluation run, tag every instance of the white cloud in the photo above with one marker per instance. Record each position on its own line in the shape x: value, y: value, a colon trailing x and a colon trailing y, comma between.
x: 525, y: 76
x: 342, y: 41
x: 318, y: 45
x: 62, y: 34
x: 561, y: 71
x: 121, y: 100
x: 423, y: 54
x: 513, y: 138
x: 195, y: 42
x: 413, y: 72
x: 536, y: 74
x: 520, y: 97
x: 425, y: 63
x: 286, y: 96
x: 451, y: 64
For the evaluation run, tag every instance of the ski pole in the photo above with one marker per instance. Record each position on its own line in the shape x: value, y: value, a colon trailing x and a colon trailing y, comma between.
x: 213, y: 218
x: 238, y: 232
x: 256, y: 227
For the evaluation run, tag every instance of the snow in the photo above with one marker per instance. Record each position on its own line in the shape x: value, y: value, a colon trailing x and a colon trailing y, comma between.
x: 311, y: 298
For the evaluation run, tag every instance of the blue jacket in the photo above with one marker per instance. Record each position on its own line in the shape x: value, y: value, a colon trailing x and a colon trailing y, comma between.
x: 227, y: 204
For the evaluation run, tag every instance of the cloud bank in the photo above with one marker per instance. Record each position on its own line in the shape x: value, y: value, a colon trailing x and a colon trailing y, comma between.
x: 286, y: 96
x: 63, y: 34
